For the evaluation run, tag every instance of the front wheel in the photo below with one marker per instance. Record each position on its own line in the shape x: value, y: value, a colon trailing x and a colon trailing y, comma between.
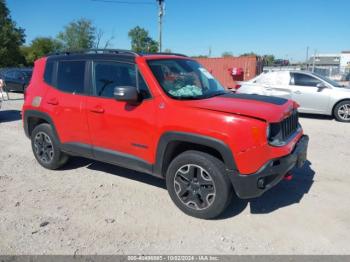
x: 342, y: 111
x: 198, y: 184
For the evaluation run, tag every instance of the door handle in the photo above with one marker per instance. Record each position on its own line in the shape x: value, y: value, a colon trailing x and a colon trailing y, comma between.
x: 297, y: 92
x: 98, y: 109
x: 53, y: 101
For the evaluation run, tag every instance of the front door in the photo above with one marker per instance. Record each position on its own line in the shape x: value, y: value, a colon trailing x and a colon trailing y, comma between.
x: 121, y: 132
x: 306, y: 93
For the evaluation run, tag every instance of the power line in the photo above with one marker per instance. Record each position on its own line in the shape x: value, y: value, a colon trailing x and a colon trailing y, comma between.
x: 124, y: 2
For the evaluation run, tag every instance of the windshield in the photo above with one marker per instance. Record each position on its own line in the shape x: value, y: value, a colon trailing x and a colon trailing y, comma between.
x: 185, y: 79
x: 329, y: 81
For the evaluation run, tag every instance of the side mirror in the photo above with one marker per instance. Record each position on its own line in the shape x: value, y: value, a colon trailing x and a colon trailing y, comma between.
x: 126, y: 93
x: 321, y: 86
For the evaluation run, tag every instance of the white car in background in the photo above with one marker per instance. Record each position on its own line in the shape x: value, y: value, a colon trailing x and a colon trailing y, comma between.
x: 314, y: 93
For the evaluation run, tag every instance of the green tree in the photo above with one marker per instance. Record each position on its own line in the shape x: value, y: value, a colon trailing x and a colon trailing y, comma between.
x: 249, y: 54
x: 11, y: 38
x: 227, y: 54
x: 268, y: 60
x: 39, y: 47
x: 200, y: 56
x: 77, y: 35
x: 141, y: 41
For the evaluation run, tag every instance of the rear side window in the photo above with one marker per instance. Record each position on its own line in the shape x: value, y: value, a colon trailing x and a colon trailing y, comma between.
x: 71, y: 76
x: 48, y: 72
x: 305, y: 80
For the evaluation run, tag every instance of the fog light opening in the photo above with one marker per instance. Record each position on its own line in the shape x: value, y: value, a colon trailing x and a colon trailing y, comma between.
x: 261, y: 183
x: 288, y: 176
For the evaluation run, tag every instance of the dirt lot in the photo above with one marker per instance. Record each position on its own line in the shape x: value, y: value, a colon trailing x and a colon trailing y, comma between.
x: 94, y: 208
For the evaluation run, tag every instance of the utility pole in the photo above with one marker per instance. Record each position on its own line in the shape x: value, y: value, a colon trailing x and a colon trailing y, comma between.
x: 160, y: 22
x: 307, y: 58
x: 313, y: 62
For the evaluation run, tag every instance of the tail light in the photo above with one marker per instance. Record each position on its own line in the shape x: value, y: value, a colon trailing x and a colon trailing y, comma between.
x: 237, y: 86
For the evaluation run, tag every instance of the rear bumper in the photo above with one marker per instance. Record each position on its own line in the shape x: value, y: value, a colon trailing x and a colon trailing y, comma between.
x: 254, y: 185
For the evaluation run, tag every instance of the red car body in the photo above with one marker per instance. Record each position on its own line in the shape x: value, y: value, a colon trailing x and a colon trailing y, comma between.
x: 137, y: 130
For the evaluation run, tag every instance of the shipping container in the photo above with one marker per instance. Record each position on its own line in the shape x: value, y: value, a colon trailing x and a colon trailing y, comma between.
x: 229, y: 70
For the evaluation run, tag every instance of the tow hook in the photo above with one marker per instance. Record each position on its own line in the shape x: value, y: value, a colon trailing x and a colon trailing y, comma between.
x: 288, y: 176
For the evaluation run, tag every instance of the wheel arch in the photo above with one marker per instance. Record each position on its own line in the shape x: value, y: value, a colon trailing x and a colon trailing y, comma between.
x: 339, y: 101
x: 171, y: 144
x: 33, y: 118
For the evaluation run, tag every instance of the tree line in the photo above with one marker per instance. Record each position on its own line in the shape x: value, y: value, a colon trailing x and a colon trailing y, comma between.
x: 77, y: 35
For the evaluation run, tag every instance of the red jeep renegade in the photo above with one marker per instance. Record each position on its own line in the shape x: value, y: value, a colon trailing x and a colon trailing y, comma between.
x: 164, y: 115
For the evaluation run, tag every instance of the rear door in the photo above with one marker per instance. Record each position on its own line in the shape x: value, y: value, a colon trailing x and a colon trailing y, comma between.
x: 66, y: 103
x: 306, y: 93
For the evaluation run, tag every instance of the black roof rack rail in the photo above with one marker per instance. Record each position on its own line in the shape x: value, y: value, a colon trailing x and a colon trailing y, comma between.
x: 96, y: 51
x: 165, y: 53
x: 110, y: 51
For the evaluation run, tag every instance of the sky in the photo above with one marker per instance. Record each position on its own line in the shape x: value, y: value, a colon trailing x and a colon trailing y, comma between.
x: 283, y: 28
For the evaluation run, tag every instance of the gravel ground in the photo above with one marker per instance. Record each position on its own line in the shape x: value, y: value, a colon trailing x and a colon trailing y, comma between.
x: 95, y: 208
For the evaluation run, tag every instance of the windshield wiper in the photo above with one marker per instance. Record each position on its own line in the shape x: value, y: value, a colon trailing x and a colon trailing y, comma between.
x: 217, y: 94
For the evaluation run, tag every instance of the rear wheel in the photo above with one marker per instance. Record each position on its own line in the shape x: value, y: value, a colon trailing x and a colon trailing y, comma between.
x: 342, y: 111
x: 46, y: 147
x: 198, y: 184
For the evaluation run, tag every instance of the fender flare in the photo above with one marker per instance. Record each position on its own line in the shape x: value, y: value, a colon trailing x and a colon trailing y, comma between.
x: 211, y: 142
x: 38, y: 114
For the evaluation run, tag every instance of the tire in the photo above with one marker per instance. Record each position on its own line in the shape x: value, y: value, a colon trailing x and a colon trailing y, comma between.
x: 46, y: 147
x: 342, y: 111
x: 198, y: 184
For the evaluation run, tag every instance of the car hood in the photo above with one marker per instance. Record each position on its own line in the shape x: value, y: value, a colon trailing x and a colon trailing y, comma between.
x: 270, y: 109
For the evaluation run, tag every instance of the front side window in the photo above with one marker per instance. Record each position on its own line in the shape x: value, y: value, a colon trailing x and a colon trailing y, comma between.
x: 305, y: 80
x: 109, y: 75
x: 71, y: 76
x: 185, y: 79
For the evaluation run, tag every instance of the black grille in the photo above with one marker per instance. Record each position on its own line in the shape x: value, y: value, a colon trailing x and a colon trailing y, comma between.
x: 289, y: 125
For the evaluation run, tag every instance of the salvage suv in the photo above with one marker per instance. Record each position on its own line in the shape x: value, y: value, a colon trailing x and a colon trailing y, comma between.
x: 164, y: 115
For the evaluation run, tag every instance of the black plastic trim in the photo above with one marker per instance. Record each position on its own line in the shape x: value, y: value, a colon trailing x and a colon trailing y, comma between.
x: 216, y: 144
x: 77, y: 149
x: 122, y: 159
x: 108, y: 156
x: 38, y: 114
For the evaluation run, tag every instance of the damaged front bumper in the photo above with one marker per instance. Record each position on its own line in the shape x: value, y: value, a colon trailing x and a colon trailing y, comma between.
x: 254, y: 185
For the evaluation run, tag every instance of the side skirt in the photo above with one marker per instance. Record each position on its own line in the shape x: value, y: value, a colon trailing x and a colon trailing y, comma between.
x: 108, y: 156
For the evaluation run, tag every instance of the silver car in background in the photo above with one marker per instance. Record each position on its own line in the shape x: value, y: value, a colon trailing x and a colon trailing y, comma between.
x: 314, y: 93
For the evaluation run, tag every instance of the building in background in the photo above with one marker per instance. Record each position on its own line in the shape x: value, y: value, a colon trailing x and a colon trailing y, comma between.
x: 334, y: 66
